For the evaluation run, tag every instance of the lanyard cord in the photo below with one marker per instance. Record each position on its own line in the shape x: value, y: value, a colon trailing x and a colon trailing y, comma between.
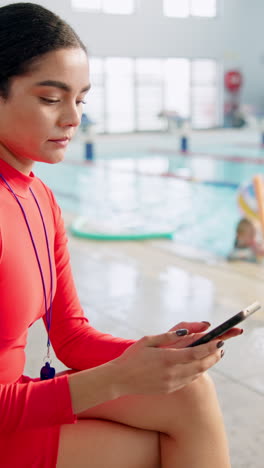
x: 48, y: 315
x: 48, y: 311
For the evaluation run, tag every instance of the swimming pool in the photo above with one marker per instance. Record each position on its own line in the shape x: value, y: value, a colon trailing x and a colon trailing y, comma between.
x: 133, y: 189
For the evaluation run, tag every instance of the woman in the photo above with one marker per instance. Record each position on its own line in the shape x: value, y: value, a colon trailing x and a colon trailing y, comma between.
x: 124, y: 404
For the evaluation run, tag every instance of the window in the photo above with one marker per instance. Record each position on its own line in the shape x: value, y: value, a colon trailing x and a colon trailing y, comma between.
x: 204, y: 90
x: 149, y: 93
x: 176, y: 8
x: 203, y: 8
x: 185, y: 8
x: 86, y: 5
x: 119, y: 95
x: 128, y: 94
x: 120, y: 7
x: 177, y: 75
x: 95, y: 100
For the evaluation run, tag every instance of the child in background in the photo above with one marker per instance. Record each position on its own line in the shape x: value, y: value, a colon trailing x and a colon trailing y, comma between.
x: 246, y: 245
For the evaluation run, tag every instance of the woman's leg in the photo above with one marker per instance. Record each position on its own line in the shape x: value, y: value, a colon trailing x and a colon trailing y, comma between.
x: 104, y: 444
x: 189, y: 420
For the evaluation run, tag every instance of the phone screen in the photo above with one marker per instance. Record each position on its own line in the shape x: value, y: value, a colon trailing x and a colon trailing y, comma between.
x: 225, y: 326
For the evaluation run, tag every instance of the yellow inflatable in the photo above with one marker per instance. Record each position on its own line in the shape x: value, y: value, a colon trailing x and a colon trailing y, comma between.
x: 251, y: 200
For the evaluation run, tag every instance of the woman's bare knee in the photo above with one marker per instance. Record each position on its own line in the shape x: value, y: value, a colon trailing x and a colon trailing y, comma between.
x: 196, y: 405
x: 198, y: 391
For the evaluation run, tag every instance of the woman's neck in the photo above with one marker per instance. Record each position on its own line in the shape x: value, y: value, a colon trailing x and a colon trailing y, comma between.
x: 23, y: 165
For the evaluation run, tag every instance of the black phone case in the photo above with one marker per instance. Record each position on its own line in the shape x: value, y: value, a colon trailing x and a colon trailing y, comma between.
x: 230, y: 323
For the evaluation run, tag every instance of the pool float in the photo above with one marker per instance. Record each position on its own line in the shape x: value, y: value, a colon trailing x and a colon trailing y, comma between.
x: 251, y: 200
x: 100, y: 230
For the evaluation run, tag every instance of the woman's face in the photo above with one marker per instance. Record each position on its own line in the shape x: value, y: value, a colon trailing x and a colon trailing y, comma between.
x: 43, y: 109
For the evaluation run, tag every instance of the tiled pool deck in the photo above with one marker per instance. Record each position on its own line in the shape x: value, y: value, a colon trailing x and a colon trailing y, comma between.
x: 131, y: 289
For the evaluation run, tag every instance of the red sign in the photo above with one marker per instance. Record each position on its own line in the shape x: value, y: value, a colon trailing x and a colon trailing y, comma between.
x: 233, y: 81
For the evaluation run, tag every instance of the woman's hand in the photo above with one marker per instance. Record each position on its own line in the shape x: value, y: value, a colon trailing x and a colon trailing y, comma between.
x: 196, y: 329
x: 152, y: 365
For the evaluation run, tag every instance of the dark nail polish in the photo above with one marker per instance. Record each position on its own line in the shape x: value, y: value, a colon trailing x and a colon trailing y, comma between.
x: 207, y: 323
x: 220, y: 344
x: 242, y: 331
x: 222, y: 353
x: 182, y: 332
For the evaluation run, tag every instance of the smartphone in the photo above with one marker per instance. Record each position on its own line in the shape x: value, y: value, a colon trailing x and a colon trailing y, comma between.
x: 225, y: 326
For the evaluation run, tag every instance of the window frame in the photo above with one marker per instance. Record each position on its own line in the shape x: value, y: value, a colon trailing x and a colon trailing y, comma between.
x: 100, y: 10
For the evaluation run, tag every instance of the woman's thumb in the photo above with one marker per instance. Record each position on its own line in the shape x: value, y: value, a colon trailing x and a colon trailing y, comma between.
x: 164, y: 339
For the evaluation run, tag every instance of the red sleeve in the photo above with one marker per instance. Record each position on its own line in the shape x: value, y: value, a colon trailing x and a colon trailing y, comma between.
x: 35, y: 404
x: 77, y: 344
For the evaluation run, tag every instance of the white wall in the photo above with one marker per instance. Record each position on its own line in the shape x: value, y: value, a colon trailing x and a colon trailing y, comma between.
x: 234, y: 37
x: 251, y: 50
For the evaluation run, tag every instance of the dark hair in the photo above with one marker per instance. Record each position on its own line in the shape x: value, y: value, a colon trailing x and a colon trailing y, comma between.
x: 243, y: 225
x: 27, y: 31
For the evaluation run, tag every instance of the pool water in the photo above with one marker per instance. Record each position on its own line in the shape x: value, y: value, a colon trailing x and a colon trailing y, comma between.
x: 127, y: 190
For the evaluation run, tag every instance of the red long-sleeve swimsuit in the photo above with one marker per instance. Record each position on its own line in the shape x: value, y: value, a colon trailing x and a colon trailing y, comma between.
x: 32, y: 411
